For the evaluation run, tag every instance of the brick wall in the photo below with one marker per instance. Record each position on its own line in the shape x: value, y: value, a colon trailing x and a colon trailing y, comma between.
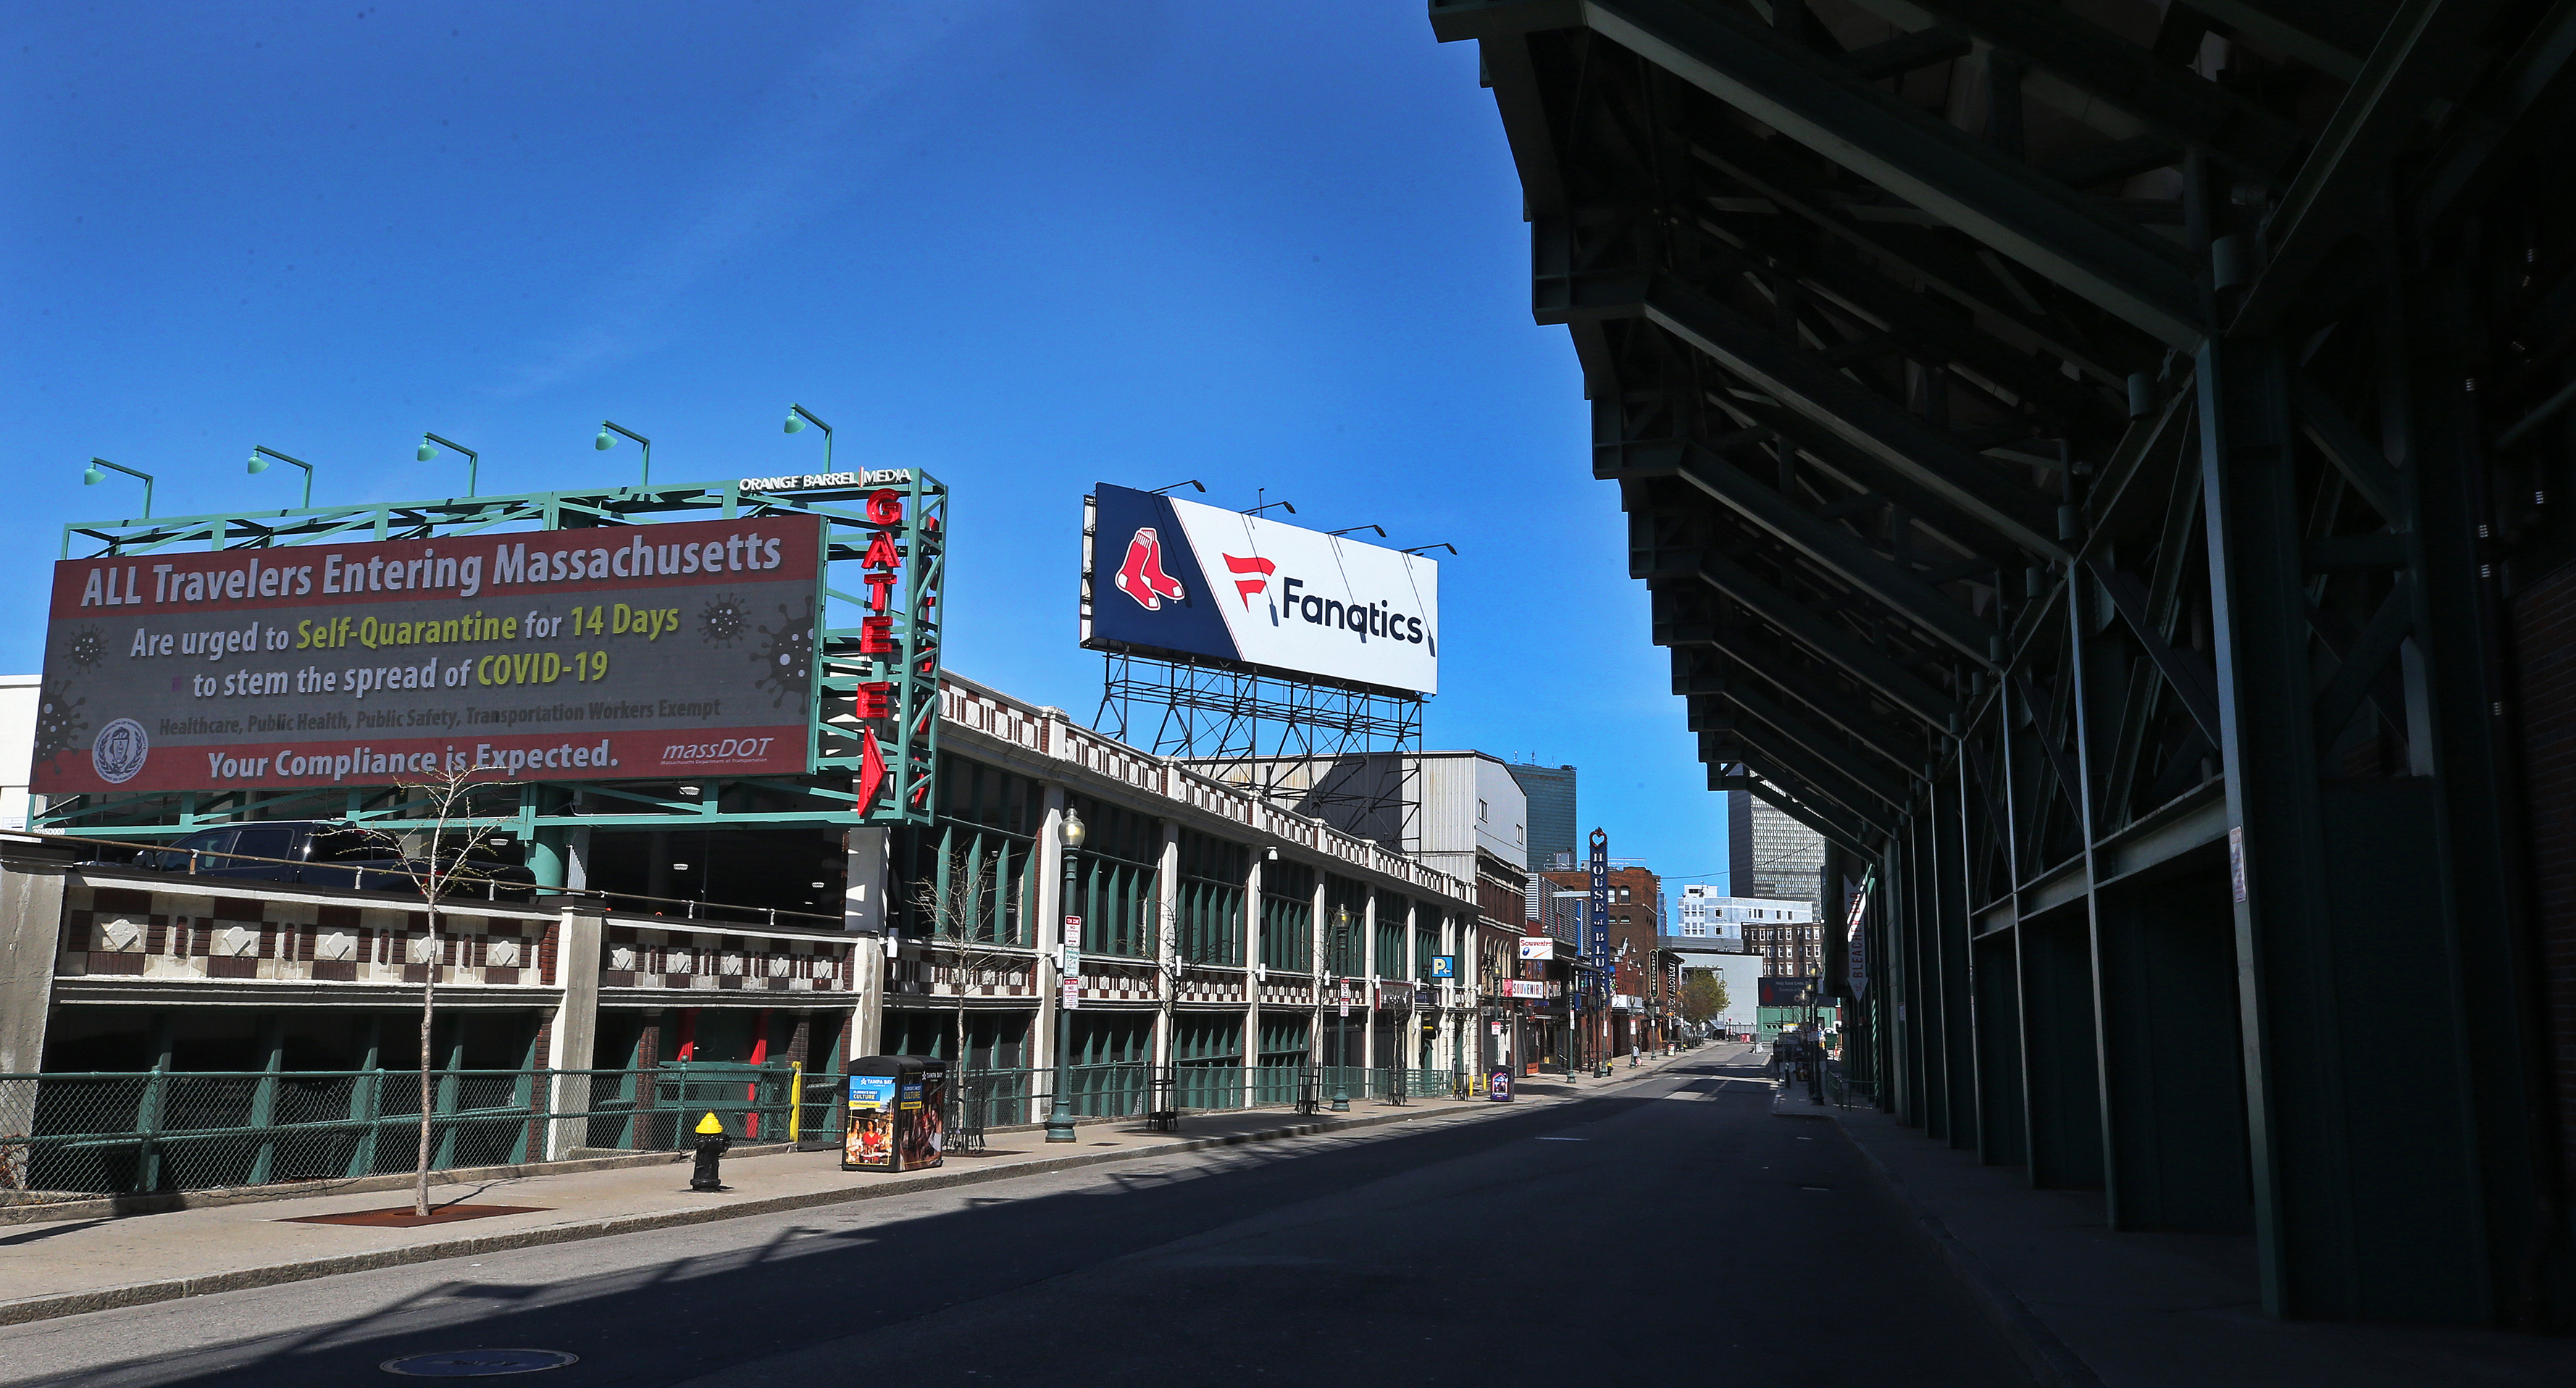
x: 2544, y: 622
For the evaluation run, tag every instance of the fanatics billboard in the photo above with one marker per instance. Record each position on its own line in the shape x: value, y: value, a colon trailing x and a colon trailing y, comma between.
x: 559, y: 655
x: 1175, y: 578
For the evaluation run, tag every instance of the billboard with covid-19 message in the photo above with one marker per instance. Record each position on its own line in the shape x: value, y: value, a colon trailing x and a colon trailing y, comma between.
x: 628, y: 652
x: 1170, y: 578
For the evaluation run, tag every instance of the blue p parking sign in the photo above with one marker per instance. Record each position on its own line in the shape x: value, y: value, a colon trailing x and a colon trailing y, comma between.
x: 1444, y: 966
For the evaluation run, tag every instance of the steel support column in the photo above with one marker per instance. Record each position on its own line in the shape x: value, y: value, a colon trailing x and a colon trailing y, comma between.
x: 1950, y: 927
x: 2361, y: 1211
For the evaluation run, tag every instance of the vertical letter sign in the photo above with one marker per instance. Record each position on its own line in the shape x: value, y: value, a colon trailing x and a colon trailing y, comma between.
x: 1600, y: 941
x: 889, y: 661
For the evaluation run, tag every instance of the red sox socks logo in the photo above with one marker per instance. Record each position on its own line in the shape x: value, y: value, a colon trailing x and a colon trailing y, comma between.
x: 1142, y: 576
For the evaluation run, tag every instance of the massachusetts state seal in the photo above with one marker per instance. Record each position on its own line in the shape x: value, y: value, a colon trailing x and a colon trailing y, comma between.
x: 119, y: 752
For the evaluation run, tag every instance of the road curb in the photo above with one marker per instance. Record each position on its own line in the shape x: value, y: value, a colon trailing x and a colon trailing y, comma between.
x: 171, y: 1202
x: 2051, y: 1361
x: 28, y: 1309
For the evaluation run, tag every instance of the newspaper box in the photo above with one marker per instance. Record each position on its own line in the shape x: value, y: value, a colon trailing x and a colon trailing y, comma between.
x: 898, y: 1107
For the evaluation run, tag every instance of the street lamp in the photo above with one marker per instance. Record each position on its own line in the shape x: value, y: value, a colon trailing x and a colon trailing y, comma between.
x: 1261, y: 495
x: 1059, y: 1127
x: 259, y: 457
x: 1342, y: 1021
x: 798, y: 417
x: 431, y: 443
x: 91, y: 476
x: 604, y: 443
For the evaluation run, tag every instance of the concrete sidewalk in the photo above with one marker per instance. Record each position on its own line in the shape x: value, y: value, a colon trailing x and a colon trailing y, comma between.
x: 67, y: 1267
x: 2085, y: 1306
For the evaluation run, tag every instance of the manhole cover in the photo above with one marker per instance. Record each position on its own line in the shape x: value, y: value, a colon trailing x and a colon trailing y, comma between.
x: 479, y: 1363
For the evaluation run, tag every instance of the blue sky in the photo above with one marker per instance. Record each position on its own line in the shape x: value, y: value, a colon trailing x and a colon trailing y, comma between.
x: 1028, y: 246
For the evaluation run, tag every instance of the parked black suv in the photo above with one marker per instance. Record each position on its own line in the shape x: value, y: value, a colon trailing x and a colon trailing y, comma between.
x: 329, y: 853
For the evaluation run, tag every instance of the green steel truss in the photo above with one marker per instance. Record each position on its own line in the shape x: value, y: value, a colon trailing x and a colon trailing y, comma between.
x: 2104, y: 522
x: 909, y: 739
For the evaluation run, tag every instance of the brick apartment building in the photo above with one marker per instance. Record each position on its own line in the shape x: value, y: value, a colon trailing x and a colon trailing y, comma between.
x: 1636, y: 922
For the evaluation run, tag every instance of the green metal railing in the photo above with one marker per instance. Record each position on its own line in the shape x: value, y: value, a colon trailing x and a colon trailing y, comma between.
x: 1210, y: 1084
x: 143, y: 1131
x: 1387, y: 1083
x: 117, y: 1133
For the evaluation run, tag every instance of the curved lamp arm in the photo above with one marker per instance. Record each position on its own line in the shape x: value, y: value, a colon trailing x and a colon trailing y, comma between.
x: 90, y: 478
x: 259, y: 457
x: 797, y: 418
x: 603, y: 443
x: 431, y: 443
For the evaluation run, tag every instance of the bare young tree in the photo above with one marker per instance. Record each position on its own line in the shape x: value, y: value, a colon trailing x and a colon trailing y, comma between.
x: 1190, y: 950
x: 959, y: 921
x: 454, y: 832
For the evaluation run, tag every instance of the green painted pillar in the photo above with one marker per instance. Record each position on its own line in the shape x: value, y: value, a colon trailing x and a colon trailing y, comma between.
x: 550, y: 857
x: 366, y: 1099
x: 2365, y: 1153
x: 2480, y: 767
x: 263, y: 1099
x: 1919, y: 999
x: 1951, y: 980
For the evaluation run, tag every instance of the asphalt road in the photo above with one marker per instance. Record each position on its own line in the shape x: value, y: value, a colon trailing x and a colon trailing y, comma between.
x: 1671, y: 1232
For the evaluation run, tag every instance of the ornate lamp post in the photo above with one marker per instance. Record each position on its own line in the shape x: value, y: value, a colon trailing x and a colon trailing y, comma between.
x: 1059, y: 1126
x: 1342, y: 1021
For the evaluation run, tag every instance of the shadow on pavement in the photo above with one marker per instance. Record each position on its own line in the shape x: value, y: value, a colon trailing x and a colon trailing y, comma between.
x: 818, y: 1280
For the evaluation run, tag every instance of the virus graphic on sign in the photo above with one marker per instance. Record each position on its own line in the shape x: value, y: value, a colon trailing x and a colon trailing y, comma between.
x: 87, y: 647
x: 1142, y: 576
x: 724, y: 621
x: 59, y: 724
x: 786, y: 655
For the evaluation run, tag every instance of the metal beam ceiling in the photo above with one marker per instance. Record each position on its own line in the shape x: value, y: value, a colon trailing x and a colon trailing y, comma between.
x: 1858, y: 324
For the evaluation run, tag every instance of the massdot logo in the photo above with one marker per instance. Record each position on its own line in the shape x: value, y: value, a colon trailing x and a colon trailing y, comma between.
x: 119, y: 752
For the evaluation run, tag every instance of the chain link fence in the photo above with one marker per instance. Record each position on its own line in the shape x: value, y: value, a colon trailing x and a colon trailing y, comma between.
x: 148, y: 1131
x: 151, y: 1131
x: 113, y: 1134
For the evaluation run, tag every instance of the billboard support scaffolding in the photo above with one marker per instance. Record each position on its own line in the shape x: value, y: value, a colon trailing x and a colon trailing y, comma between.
x: 1266, y: 732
